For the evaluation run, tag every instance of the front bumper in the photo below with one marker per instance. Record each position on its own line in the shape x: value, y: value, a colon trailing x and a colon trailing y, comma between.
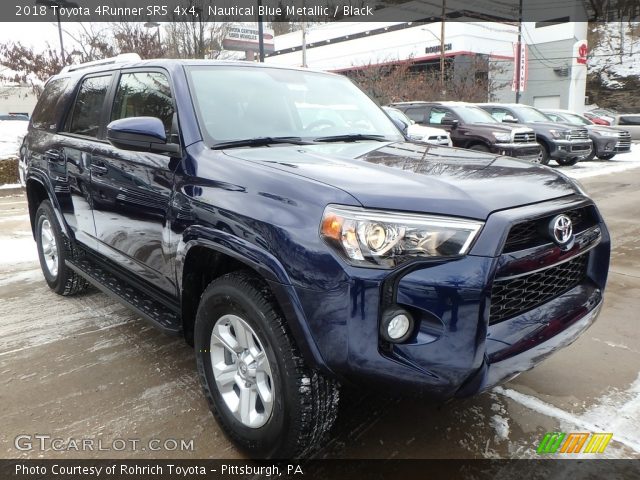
x: 524, y: 151
x: 610, y: 145
x: 455, y: 350
x: 568, y: 149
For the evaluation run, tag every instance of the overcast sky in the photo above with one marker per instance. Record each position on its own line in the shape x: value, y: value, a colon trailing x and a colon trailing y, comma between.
x: 35, y: 34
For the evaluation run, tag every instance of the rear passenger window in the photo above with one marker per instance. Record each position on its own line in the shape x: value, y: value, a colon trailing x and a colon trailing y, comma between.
x: 87, y: 111
x: 415, y: 114
x: 144, y: 94
x: 46, y: 114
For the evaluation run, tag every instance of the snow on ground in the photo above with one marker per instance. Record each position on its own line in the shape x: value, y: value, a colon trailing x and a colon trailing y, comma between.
x: 593, y: 168
x: 617, y: 411
x: 618, y: 54
x: 11, y: 134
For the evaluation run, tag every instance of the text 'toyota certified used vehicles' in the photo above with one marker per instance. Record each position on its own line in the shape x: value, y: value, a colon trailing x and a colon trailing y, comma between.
x: 300, y: 253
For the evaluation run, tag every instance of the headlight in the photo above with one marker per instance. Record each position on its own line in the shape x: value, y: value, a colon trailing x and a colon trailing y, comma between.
x: 604, y: 133
x: 374, y: 238
x: 502, y: 136
x: 558, y: 133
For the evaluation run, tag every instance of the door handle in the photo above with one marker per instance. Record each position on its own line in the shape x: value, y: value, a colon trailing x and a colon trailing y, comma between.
x: 54, y: 156
x: 98, y: 169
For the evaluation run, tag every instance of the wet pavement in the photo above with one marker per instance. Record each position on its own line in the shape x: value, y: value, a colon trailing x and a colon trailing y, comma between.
x: 85, y: 367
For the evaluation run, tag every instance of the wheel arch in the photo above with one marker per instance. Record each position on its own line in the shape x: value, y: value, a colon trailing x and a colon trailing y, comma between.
x: 37, y: 191
x: 205, y: 254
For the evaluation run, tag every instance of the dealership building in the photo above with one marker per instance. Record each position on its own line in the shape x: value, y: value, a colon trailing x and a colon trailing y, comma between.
x: 554, y: 66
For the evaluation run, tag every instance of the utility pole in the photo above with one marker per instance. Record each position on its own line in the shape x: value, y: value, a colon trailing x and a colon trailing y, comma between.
x: 518, y: 53
x: 304, y: 44
x: 442, y: 20
x: 58, y: 3
x: 260, y: 34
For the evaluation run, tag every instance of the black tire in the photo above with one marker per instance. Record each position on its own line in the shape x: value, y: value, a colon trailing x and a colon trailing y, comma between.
x: 606, y: 156
x: 567, y: 162
x: 543, y: 158
x: 304, y: 403
x: 63, y: 281
x: 478, y: 147
x: 591, y: 156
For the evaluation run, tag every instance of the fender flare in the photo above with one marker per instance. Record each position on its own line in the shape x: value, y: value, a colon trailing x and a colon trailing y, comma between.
x: 44, y: 182
x: 266, y: 265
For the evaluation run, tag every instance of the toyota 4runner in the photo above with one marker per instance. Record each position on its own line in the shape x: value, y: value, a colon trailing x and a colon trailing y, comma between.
x: 279, y: 221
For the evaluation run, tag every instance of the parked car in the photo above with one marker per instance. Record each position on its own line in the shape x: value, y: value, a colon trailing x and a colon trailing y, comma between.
x: 604, y: 114
x: 596, y: 119
x: 630, y: 122
x: 607, y: 141
x: 413, y: 131
x: 564, y: 143
x: 14, y: 117
x: 472, y: 128
x: 295, y: 261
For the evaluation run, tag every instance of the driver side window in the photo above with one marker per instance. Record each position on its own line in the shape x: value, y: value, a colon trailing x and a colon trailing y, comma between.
x: 437, y: 115
x: 502, y: 115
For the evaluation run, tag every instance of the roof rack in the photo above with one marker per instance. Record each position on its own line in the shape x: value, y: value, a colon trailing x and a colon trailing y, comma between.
x: 122, y: 58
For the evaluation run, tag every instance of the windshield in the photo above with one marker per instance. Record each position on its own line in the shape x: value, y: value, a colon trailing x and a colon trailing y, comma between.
x: 528, y: 114
x: 575, y: 119
x: 470, y: 114
x: 396, y: 114
x: 238, y: 102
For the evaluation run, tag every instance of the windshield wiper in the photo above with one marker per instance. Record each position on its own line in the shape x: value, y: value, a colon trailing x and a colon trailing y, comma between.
x: 353, y: 137
x: 259, y: 142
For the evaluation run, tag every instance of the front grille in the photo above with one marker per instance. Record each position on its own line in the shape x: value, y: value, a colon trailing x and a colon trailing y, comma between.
x: 524, y: 137
x: 534, y: 232
x: 515, y: 296
x: 579, y: 134
x: 624, y: 140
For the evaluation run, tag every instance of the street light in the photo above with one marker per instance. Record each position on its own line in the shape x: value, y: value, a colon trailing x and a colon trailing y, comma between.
x: 59, y: 4
x: 155, y: 25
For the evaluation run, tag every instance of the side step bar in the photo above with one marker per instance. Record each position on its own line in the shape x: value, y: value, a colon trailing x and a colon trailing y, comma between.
x: 141, y: 303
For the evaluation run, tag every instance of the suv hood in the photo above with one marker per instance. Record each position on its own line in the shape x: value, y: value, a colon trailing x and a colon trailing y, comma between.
x: 419, y: 178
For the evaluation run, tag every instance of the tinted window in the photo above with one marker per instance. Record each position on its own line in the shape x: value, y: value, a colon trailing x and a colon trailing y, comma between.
x: 144, y: 94
x: 629, y: 120
x: 500, y: 115
x: 46, y: 114
x: 87, y: 111
x: 416, y: 114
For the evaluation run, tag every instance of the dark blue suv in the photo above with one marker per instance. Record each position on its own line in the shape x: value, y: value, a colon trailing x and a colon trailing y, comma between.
x: 279, y: 221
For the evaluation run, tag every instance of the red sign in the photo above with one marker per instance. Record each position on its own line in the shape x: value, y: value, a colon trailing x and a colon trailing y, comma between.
x: 520, y: 68
x: 583, y: 51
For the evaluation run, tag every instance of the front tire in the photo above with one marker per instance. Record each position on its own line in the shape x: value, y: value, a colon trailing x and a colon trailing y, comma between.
x: 259, y: 389
x: 543, y: 156
x: 53, y: 249
x: 606, y: 156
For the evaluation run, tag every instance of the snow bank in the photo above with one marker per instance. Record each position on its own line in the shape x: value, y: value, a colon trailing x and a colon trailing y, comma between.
x: 11, y: 135
x: 618, y: 54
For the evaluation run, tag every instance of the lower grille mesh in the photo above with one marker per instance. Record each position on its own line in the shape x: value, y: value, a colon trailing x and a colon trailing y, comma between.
x: 514, y: 296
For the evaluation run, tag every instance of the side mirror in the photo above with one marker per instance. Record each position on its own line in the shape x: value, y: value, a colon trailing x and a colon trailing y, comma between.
x: 450, y: 122
x: 509, y: 120
x: 402, y: 126
x: 142, y: 134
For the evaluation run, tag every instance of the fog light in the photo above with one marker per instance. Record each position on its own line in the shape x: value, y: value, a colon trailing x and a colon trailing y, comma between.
x: 397, y: 325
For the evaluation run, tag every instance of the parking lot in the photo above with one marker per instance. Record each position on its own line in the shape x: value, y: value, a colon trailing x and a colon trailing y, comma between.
x: 86, y: 367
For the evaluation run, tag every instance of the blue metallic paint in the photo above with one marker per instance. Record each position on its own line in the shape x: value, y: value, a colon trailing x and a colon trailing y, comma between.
x: 263, y: 206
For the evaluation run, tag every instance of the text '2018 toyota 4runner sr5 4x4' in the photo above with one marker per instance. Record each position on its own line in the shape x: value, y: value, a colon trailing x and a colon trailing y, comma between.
x: 279, y: 220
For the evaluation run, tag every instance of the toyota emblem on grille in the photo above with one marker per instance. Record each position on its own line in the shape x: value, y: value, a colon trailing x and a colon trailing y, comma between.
x: 561, y: 229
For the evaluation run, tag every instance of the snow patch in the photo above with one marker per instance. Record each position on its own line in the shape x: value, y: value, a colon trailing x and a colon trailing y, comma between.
x: 617, y: 412
x: 14, y: 251
x: 11, y: 134
x: 594, y: 168
x: 501, y: 426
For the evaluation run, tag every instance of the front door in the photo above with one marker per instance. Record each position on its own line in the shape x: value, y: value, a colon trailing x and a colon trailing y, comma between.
x: 132, y: 190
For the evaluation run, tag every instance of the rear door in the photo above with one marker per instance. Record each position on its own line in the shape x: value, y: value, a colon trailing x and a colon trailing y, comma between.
x: 76, y: 144
x: 132, y: 190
